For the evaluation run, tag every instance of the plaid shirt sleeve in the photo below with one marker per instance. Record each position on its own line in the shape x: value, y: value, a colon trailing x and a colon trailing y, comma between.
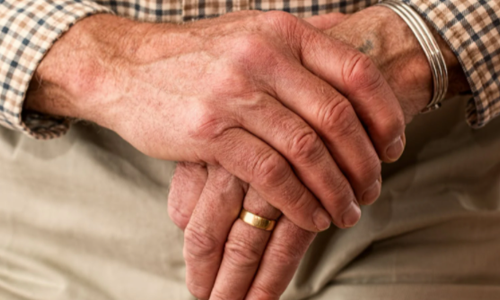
x: 472, y: 30
x: 28, y: 28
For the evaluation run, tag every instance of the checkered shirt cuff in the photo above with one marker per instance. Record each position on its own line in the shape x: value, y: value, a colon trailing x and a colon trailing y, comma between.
x: 28, y: 28
x: 472, y: 30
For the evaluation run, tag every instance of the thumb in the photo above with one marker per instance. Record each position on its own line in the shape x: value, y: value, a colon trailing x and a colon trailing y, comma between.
x: 323, y: 22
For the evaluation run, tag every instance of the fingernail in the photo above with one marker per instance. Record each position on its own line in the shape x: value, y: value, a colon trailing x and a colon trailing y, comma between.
x: 352, y: 215
x: 372, y: 193
x: 321, y: 219
x: 395, y: 150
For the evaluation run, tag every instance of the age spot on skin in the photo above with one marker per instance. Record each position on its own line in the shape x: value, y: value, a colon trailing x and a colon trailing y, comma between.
x: 366, y: 47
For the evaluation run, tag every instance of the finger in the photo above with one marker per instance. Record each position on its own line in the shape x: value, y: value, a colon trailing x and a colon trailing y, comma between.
x: 243, y: 251
x: 356, y: 77
x: 305, y: 150
x: 327, y: 21
x: 287, y: 246
x: 253, y: 161
x: 207, y: 230
x: 365, y: 87
x: 335, y: 120
x: 185, y: 190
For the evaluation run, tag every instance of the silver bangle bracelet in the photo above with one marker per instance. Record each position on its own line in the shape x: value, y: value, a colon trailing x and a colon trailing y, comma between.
x: 429, y: 46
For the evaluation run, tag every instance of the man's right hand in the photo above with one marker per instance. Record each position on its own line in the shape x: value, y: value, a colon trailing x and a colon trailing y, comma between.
x: 249, y: 91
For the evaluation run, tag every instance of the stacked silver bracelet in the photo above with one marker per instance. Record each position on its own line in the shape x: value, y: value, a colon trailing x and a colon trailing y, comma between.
x: 430, y: 47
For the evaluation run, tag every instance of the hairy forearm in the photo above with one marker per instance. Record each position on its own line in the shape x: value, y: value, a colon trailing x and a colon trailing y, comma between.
x: 81, y: 74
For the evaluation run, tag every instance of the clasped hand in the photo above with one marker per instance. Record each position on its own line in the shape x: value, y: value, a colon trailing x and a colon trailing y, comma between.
x: 228, y: 259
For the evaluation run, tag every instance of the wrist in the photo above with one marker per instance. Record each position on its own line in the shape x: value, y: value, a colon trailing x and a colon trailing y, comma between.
x: 79, y: 76
x: 389, y: 42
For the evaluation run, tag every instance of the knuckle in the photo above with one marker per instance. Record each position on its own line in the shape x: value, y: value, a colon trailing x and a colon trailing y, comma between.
x: 264, y: 292
x: 200, y: 292
x: 177, y: 214
x: 338, y: 118
x: 234, y: 81
x: 297, y: 202
x: 221, y: 181
x: 285, y: 25
x: 217, y: 295
x: 199, y: 244
x: 306, y: 146
x: 206, y: 123
x: 251, y: 45
x: 388, y: 128
x: 372, y: 168
x: 342, y: 198
x: 369, y: 171
x: 241, y: 253
x: 357, y: 69
x: 210, y: 123
x: 285, y: 254
x: 253, y: 50
x: 279, y: 17
x: 394, y: 126
x: 269, y: 169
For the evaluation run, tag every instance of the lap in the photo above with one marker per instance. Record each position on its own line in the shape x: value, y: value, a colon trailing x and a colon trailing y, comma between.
x: 435, y: 228
x: 85, y: 217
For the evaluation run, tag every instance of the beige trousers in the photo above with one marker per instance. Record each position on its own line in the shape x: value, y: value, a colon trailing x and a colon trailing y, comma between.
x: 84, y: 217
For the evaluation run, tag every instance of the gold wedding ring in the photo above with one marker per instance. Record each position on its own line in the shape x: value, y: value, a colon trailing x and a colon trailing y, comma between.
x: 257, y: 221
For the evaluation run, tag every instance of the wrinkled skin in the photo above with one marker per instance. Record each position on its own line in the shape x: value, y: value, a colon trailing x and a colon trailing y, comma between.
x: 236, y: 261
x: 266, y: 96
